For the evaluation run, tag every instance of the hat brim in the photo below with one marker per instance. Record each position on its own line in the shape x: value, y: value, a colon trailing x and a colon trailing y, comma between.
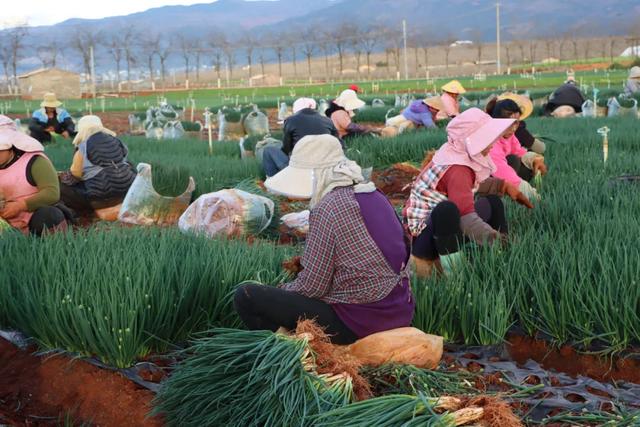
x: 55, y: 104
x: 454, y: 88
x: 525, y: 104
x: 487, y: 134
x: 291, y: 182
x: 435, y: 104
x: 355, y: 104
x: 22, y: 141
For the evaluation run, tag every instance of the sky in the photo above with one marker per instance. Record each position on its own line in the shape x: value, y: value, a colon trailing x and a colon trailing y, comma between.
x: 48, y: 12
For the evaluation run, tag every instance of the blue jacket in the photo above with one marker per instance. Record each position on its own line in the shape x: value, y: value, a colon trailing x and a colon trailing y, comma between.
x: 41, y: 116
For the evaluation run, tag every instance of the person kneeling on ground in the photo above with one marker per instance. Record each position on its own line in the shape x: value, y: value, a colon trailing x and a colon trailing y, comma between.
x: 51, y: 118
x: 526, y: 139
x: 450, y: 93
x: 565, y: 101
x: 514, y: 163
x: 421, y: 112
x: 341, y: 111
x: 354, y: 280
x: 440, y: 212
x: 304, y: 121
x: 632, y: 86
x: 100, y: 173
x: 28, y: 183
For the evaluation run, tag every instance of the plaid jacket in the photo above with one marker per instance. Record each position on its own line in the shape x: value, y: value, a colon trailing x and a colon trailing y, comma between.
x: 423, y: 198
x: 341, y: 262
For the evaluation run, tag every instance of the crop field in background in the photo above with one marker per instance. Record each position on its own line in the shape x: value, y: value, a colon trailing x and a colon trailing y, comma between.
x: 269, y: 96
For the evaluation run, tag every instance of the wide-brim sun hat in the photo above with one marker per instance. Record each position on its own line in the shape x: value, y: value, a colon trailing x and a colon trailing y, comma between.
x: 312, y: 152
x: 484, y: 132
x: 50, y: 101
x: 349, y: 100
x: 634, y: 72
x: 525, y: 104
x: 434, y: 102
x: 10, y: 136
x: 454, y: 86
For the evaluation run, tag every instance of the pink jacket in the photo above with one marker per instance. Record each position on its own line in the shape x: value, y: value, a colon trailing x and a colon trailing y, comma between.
x: 499, y: 152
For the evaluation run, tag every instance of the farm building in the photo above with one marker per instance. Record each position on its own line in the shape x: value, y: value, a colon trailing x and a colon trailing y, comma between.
x: 35, y: 84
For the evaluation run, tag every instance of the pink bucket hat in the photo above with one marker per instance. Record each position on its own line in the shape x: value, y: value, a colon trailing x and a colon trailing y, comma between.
x: 10, y: 136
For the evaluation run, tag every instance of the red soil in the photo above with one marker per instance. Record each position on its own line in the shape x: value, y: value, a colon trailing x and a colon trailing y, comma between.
x: 568, y: 360
x: 40, y: 391
x: 395, y: 182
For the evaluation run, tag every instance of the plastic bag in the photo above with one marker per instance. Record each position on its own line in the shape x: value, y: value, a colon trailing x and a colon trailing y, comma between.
x: 377, y: 103
x: 228, y: 129
x: 135, y: 124
x: 589, y: 109
x: 323, y: 106
x: 230, y: 213
x: 144, y: 206
x: 256, y: 123
x: 266, y: 142
x: 628, y: 107
x: 297, y: 222
x: 409, y: 346
x: 283, y: 112
x: 613, y: 107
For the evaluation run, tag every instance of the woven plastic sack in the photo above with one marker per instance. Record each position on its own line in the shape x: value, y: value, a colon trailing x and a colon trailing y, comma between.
x: 228, y: 130
x: 256, y: 123
x: 173, y: 130
x: 267, y: 142
x: 589, y: 109
x: 628, y: 107
x: 144, y: 206
x: 230, y: 213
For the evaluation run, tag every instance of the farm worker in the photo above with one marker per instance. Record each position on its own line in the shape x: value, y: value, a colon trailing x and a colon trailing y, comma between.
x: 526, y: 139
x: 51, y: 118
x: 100, y: 174
x: 514, y: 163
x: 29, y: 187
x: 421, y: 112
x: 450, y: 93
x: 341, y: 111
x: 354, y: 280
x: 632, y: 86
x: 565, y: 101
x: 441, y: 211
x: 304, y: 121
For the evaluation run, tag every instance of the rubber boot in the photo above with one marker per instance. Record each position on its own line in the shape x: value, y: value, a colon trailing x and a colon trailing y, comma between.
x: 423, y: 268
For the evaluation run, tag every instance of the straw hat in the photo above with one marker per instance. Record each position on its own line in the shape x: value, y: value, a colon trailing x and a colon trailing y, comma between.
x: 634, y: 72
x: 10, y: 136
x: 434, y: 102
x: 525, y: 104
x: 349, y: 100
x: 50, y: 101
x: 311, y: 152
x: 453, y: 86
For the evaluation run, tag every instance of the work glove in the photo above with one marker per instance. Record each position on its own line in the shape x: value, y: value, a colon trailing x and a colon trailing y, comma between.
x: 539, y: 166
x: 516, y: 194
x: 538, y: 146
x: 528, y: 191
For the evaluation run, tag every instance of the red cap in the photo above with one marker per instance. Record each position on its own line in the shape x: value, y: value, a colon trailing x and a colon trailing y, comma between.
x: 354, y: 88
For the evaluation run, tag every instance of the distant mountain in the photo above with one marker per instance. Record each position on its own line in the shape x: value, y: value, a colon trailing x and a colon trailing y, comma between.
x: 436, y: 19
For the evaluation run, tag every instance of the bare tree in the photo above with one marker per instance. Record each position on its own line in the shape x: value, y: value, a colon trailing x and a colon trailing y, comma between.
x: 5, y: 57
x: 478, y: 44
x: 229, y: 51
x: 507, y: 51
x: 278, y: 47
x: 196, y: 47
x: 164, y: 51
x: 215, y: 42
x: 292, y: 40
x: 48, y: 54
x: 612, y: 46
x: 15, y: 42
x: 341, y: 42
x: 83, y: 40
x: 448, y: 44
x: 355, y: 35
x: 128, y: 41
x: 151, y: 48
x: 326, y: 47
x: 309, y: 47
x: 394, y: 43
x: 533, y: 47
x: 185, y: 44
x: 249, y: 44
x: 522, y: 47
x: 115, y: 50
x: 370, y: 41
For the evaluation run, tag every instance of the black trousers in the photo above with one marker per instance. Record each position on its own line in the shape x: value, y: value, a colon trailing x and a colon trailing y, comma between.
x: 443, y: 236
x: 522, y: 171
x: 75, y: 197
x: 268, y: 308
x: 46, y: 218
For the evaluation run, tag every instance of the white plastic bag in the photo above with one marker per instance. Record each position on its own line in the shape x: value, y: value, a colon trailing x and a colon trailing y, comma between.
x: 589, y: 108
x: 144, y: 206
x: 230, y: 213
x: 297, y: 222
